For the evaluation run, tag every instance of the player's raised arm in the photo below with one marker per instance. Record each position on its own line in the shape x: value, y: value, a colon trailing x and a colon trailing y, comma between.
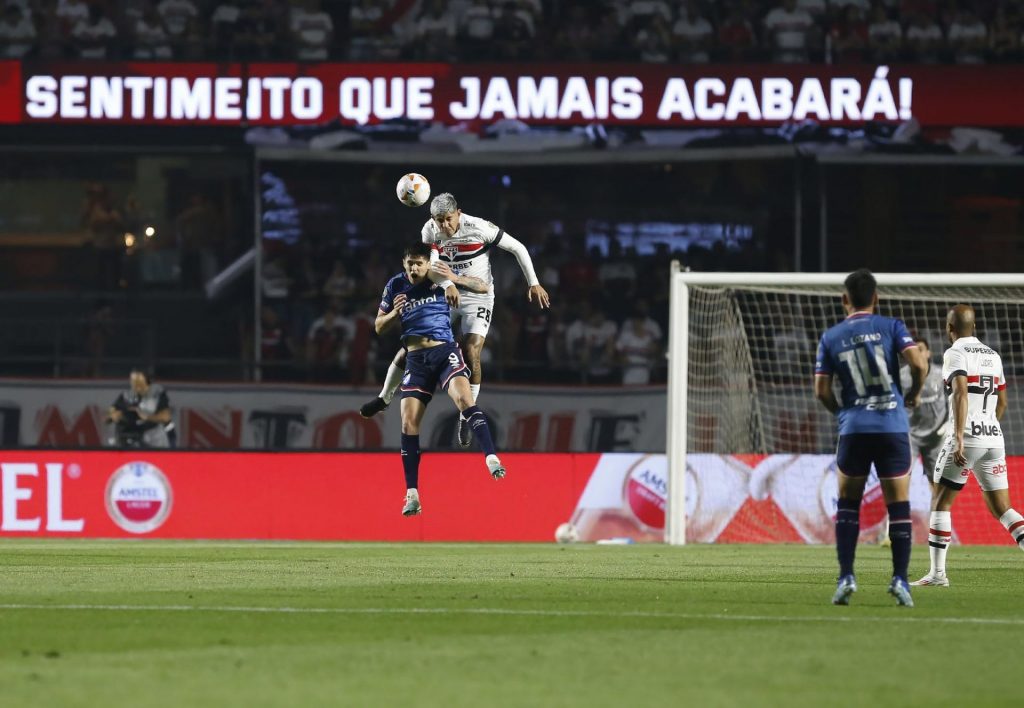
x: 440, y: 269
x: 535, y: 289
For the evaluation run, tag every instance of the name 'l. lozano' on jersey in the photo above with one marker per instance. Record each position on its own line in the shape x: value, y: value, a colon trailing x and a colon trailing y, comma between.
x: 413, y: 189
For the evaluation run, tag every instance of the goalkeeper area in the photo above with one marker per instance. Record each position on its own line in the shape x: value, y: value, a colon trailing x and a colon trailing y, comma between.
x: 268, y: 624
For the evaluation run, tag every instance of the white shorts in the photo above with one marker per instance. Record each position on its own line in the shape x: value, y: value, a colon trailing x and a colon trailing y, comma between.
x: 987, y: 463
x: 473, y: 315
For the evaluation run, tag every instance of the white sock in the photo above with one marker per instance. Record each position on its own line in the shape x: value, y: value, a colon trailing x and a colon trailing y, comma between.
x: 940, y: 532
x: 1014, y: 523
x: 391, y: 382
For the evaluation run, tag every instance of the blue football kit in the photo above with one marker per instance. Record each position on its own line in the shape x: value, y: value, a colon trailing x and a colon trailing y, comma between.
x: 863, y: 352
x: 426, y: 314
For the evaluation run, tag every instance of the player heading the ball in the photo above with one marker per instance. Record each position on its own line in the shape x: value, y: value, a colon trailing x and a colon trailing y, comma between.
x: 464, y: 242
x: 410, y: 298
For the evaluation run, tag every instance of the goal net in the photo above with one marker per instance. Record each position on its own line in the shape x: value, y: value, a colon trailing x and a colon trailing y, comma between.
x: 751, y: 451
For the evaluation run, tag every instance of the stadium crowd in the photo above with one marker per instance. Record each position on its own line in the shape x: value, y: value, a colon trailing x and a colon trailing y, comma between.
x: 608, y: 321
x: 685, y: 31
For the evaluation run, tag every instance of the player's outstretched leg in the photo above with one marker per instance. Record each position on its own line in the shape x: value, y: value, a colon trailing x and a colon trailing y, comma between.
x: 411, y: 466
x: 391, y: 382
x: 477, y: 422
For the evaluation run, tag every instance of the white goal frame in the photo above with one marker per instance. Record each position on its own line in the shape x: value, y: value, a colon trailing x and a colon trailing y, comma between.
x: 678, y: 346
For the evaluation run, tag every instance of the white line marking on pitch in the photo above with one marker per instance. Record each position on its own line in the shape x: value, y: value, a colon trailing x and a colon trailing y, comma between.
x: 1009, y: 621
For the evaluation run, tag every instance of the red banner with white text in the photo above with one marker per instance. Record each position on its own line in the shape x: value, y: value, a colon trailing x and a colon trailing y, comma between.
x: 358, y: 497
x: 155, y: 93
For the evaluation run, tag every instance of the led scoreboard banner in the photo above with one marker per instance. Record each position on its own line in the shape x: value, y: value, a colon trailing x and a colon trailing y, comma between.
x: 154, y: 93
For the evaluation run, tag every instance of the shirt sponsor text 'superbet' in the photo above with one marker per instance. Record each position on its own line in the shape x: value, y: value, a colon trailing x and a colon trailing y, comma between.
x: 466, y: 251
x: 984, y: 371
x: 863, y: 352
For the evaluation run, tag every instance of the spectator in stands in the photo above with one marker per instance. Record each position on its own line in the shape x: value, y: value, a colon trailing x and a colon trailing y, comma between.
x: 818, y: 9
x: 312, y: 31
x: 17, y: 33
x: 433, y: 35
x: 653, y: 41
x: 199, y: 231
x: 590, y: 342
x: 1004, y: 38
x: 790, y: 32
x: 638, y: 346
x: 223, y: 24
x: 327, y: 346
x: 736, y: 38
x: 275, y: 347
x: 849, y: 35
x: 511, y: 32
x: 885, y: 36
x: 340, y: 284
x: 367, y: 39
x: 693, y: 35
x: 91, y: 36
x: 968, y: 38
x: 178, y: 15
x: 255, y: 35
x: 70, y: 12
x: 924, y: 40
x: 105, y: 226
x: 151, y: 38
x: 476, y: 29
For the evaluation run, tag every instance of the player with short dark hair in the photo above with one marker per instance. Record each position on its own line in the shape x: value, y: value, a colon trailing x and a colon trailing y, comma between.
x: 434, y: 357
x: 862, y: 352
x: 973, y: 373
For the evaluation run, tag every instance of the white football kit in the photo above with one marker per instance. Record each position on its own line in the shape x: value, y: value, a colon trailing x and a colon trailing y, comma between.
x: 466, y: 253
x: 983, y: 438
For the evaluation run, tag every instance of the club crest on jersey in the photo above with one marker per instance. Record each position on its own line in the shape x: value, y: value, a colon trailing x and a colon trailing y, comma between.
x: 450, y: 250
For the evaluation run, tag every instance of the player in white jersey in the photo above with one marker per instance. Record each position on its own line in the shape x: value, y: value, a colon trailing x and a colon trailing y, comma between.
x: 977, y: 400
x: 460, y: 244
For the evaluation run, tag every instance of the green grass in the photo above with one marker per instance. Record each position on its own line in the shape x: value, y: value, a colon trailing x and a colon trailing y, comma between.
x: 476, y: 625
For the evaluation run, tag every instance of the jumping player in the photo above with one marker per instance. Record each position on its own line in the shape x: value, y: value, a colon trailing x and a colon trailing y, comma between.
x: 434, y: 357
x: 973, y: 373
x: 462, y: 242
x: 873, y: 428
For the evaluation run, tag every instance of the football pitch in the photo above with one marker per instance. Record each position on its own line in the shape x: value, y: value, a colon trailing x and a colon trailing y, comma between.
x: 280, y: 624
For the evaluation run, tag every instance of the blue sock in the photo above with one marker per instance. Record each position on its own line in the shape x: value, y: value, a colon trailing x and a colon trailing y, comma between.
x: 411, y: 460
x: 847, y: 531
x: 477, y: 422
x: 902, y: 537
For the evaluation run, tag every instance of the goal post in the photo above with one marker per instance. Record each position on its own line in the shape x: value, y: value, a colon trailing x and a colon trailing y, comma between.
x: 742, y: 348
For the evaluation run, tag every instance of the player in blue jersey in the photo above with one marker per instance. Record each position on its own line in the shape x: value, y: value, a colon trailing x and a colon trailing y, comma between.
x: 433, y: 357
x: 863, y: 352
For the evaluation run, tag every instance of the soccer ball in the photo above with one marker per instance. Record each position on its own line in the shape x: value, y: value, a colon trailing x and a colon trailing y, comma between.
x: 567, y: 533
x: 413, y: 190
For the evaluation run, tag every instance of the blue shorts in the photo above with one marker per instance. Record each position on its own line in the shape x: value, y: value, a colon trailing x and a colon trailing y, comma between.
x: 890, y: 453
x: 425, y: 368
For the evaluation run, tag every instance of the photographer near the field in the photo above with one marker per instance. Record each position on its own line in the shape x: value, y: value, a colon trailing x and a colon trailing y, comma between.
x: 142, y: 414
